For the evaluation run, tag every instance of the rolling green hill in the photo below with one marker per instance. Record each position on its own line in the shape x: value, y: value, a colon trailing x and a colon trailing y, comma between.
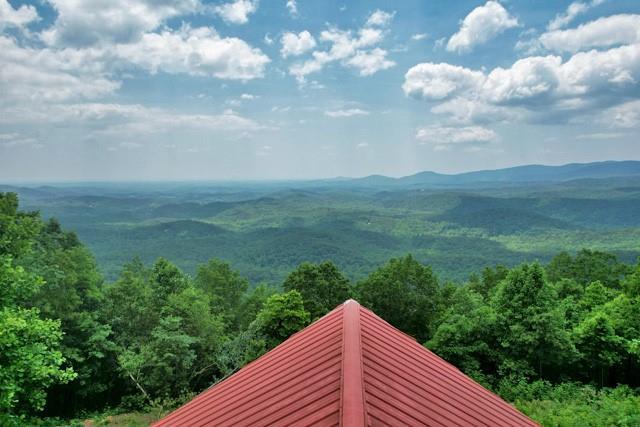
x: 266, y: 229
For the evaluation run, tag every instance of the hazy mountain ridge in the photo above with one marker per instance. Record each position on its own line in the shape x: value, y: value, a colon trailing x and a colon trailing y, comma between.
x: 516, y: 174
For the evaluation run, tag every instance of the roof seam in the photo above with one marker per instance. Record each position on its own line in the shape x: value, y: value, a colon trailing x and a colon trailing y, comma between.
x: 352, y: 394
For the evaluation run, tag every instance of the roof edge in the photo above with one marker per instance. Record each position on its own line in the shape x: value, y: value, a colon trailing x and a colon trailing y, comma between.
x: 352, y: 396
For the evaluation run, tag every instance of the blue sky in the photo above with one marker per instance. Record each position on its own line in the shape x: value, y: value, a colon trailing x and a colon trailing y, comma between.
x: 277, y: 89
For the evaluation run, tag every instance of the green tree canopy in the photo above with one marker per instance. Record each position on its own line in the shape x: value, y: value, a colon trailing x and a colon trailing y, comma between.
x: 322, y: 287
x: 405, y: 294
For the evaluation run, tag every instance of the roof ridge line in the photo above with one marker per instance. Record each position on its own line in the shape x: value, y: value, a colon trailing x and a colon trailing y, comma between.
x: 352, y: 396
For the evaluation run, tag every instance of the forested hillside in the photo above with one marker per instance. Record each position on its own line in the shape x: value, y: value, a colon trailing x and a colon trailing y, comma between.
x: 557, y: 338
x: 266, y: 229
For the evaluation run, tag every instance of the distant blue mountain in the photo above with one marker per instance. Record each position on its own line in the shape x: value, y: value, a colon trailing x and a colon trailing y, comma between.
x: 518, y: 174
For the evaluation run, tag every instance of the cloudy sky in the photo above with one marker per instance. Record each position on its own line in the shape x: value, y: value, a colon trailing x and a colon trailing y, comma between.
x: 273, y: 89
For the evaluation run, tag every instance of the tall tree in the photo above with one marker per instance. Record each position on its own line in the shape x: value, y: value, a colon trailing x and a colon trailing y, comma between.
x: 322, y: 287
x: 30, y: 356
x: 224, y: 287
x: 530, y: 322
x: 405, y: 294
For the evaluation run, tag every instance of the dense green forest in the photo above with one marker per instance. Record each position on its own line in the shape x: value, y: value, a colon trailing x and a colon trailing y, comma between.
x: 561, y: 340
x: 265, y: 230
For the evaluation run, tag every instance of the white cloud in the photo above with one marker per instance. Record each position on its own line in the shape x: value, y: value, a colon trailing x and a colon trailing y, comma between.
x: 481, y: 25
x: 527, y: 78
x: 84, y: 22
x: 292, y: 7
x: 443, y: 137
x: 346, y: 113
x: 370, y: 62
x: 439, y: 81
x: 544, y: 87
x: 362, y: 145
x: 195, y: 51
x: 20, y: 17
x: 379, y: 18
x: 248, y: 97
x: 419, y: 36
x: 237, y: 12
x: 296, y: 44
x: 129, y: 120
x: 44, y: 75
x: 603, y: 32
x: 576, y: 8
x: 352, y: 49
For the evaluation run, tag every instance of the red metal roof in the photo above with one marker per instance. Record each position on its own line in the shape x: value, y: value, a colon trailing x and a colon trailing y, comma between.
x: 350, y: 368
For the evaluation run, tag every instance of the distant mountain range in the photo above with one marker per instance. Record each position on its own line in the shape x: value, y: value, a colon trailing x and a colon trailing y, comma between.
x: 518, y: 174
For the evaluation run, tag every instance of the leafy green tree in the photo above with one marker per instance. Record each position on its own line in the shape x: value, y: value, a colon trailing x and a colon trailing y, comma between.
x: 467, y: 337
x: 405, y: 294
x: 530, y: 322
x: 72, y: 293
x: 251, y: 304
x: 490, y: 279
x: 322, y: 287
x: 595, y: 295
x: 587, y: 266
x: 225, y: 288
x: 281, y: 316
x: 30, y: 356
x: 597, y: 343
x: 193, y: 308
x: 166, y: 279
x: 129, y: 305
x: 631, y: 283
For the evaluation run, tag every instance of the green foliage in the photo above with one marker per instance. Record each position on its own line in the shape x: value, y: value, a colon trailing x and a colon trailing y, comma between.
x: 574, y: 405
x: 30, y: 359
x: 30, y: 356
x: 322, y: 287
x: 282, y: 316
x: 154, y: 334
x: 467, y: 335
x: 405, y: 294
x: 224, y: 287
x: 530, y: 322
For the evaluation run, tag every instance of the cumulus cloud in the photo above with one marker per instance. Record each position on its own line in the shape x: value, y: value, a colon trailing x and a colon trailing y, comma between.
x: 20, y: 17
x: 346, y: 113
x: 545, y: 87
x: 443, y: 137
x: 196, y: 51
x: 356, y: 49
x: 370, y: 62
x: 237, y: 12
x: 29, y: 74
x: 50, y: 74
x: 481, y: 25
x: 603, y: 32
x: 380, y: 18
x: 439, y: 81
x: 296, y: 44
x: 83, y: 23
x: 419, y: 36
x: 576, y: 8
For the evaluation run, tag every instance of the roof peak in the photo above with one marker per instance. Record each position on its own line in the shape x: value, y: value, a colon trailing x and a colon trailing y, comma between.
x: 348, y: 368
x: 352, y: 402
